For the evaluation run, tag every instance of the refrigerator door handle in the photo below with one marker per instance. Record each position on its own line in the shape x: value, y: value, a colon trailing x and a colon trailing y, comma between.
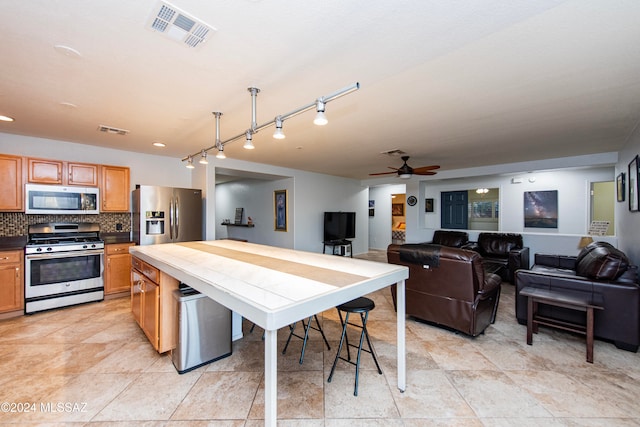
x: 171, y: 219
x: 177, y: 218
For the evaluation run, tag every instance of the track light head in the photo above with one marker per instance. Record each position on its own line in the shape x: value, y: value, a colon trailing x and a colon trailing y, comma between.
x: 220, y: 148
x: 248, y: 144
x: 320, y: 119
x: 190, y: 163
x: 278, y: 134
x: 203, y: 158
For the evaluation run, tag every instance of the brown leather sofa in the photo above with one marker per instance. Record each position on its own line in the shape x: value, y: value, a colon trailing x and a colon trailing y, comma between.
x: 452, y: 238
x: 502, y: 253
x: 447, y: 286
x: 603, y: 273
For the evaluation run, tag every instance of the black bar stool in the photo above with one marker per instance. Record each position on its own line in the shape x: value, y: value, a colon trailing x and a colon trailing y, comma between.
x: 306, y: 327
x: 362, y: 306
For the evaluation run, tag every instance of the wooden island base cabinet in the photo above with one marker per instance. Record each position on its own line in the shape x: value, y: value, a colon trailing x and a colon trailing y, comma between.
x: 153, y: 305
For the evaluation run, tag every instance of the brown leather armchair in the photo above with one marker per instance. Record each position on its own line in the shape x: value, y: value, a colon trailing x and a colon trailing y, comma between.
x: 447, y: 286
x: 502, y: 253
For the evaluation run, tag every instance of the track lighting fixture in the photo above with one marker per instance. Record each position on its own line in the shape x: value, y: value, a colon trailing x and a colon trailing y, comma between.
x: 320, y: 119
x: 203, y: 158
x: 278, y: 134
x: 220, y: 154
x: 248, y: 145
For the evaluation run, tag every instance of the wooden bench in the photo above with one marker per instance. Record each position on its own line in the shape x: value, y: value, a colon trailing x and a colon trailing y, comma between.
x: 557, y: 298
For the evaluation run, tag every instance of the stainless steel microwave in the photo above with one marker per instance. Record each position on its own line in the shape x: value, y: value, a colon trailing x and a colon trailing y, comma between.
x: 58, y: 199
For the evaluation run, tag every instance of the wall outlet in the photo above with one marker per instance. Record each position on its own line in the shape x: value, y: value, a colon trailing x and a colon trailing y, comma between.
x: 119, y: 227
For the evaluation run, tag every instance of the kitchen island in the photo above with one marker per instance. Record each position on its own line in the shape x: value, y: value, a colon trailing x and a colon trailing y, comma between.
x: 275, y: 287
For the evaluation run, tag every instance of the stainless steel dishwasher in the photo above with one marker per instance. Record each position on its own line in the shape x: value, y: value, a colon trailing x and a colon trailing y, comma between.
x: 204, y: 330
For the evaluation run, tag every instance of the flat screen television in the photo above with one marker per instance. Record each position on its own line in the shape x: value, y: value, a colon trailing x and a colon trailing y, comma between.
x: 339, y: 226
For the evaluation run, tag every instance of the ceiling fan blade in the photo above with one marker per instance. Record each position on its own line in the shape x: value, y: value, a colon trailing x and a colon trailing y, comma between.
x: 424, y: 173
x: 383, y: 173
x: 425, y: 169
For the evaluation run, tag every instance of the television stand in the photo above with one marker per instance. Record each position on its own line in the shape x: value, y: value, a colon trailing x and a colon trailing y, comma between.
x: 338, y: 247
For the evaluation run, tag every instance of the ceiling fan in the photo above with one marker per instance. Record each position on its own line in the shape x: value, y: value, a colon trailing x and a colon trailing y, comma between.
x: 405, y: 171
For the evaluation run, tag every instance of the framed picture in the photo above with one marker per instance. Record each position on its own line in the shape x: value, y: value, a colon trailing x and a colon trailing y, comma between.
x: 397, y: 209
x: 372, y: 207
x: 239, y: 214
x: 428, y: 205
x: 620, y: 187
x: 633, y: 185
x: 541, y: 209
x: 280, y: 209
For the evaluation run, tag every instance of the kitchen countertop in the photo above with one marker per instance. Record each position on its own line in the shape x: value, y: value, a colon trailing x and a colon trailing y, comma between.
x: 13, y: 243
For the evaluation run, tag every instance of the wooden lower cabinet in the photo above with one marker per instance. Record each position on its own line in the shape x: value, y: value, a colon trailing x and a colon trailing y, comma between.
x: 11, y: 281
x: 153, y: 305
x: 117, y: 268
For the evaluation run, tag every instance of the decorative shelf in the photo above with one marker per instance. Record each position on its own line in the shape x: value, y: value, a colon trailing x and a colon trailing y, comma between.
x: 238, y: 225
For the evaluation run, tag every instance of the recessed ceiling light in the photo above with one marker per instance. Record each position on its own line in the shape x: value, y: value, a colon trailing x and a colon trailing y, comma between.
x: 159, y: 144
x: 6, y: 118
x: 69, y: 105
x: 67, y: 51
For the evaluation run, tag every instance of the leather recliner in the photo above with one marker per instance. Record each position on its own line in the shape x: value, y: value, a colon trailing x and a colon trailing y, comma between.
x: 601, y: 272
x: 447, y: 286
x: 502, y: 253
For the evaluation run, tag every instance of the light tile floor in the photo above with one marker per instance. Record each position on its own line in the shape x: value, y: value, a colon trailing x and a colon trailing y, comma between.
x: 92, y: 365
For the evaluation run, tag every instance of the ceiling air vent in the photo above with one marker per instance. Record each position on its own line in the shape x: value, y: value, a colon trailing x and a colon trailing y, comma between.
x: 115, y: 131
x: 178, y: 26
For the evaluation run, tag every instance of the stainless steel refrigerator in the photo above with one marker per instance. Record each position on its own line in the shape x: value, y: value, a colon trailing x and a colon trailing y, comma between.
x: 166, y: 214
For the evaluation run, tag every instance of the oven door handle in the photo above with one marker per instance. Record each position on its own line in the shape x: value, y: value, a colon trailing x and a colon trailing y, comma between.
x: 70, y: 254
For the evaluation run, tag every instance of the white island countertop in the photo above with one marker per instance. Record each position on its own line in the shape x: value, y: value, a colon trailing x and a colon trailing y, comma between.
x: 274, y: 287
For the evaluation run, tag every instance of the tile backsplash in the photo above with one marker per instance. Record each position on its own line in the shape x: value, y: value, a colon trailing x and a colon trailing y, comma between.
x: 17, y: 223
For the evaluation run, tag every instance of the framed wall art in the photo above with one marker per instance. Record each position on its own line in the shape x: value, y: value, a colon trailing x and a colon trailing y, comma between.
x: 633, y: 185
x: 428, y: 205
x: 541, y: 209
x: 397, y: 209
x: 620, y: 187
x: 280, y: 209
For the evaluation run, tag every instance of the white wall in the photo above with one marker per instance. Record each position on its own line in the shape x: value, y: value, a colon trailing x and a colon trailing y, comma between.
x: 310, y: 195
x: 628, y: 222
x: 380, y: 223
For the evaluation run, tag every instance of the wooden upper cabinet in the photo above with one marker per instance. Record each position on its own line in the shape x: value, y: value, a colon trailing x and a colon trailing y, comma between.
x: 114, y: 189
x: 43, y: 171
x: 10, y: 183
x: 82, y: 174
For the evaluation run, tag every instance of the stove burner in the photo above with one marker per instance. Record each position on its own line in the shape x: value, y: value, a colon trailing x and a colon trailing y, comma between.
x: 62, y: 237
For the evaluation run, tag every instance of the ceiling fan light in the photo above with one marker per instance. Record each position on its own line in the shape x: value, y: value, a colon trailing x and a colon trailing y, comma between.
x: 405, y: 175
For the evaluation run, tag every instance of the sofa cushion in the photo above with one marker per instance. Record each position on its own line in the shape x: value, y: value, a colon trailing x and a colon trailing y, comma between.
x: 498, y: 244
x: 601, y: 261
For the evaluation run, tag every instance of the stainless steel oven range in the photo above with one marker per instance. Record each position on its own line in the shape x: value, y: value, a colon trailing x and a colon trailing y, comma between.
x: 63, y: 265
